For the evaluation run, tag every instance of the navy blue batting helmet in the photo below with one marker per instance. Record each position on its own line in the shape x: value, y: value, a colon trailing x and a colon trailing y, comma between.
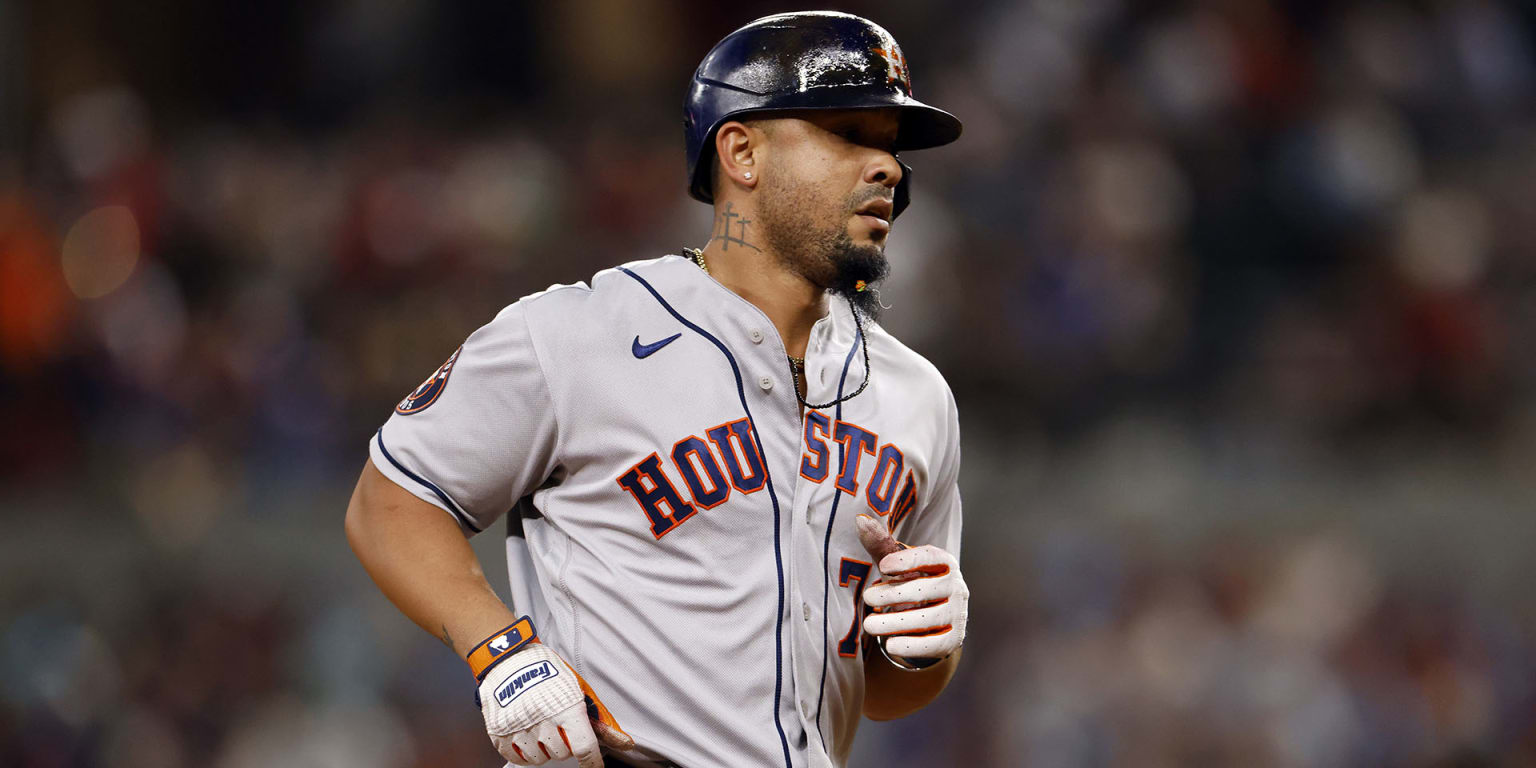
x: 807, y: 60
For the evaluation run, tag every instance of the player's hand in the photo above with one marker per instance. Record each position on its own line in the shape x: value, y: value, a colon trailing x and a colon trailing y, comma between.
x: 920, y: 600
x: 536, y: 707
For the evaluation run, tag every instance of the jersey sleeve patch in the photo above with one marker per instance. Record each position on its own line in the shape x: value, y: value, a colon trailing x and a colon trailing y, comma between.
x: 426, y: 394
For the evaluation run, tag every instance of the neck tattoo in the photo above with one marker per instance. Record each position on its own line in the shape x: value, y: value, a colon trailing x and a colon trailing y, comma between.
x: 797, y: 364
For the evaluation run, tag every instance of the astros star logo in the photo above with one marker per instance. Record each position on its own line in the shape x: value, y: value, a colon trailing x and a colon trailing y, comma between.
x: 896, y: 67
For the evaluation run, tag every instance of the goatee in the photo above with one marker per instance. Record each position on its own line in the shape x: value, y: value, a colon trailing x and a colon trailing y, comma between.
x: 856, y: 270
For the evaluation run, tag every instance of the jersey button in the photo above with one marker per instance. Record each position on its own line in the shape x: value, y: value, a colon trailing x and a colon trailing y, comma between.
x: 766, y: 383
x: 805, y: 611
x: 755, y: 335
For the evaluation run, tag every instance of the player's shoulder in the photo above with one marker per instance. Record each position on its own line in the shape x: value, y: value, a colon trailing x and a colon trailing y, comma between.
x: 573, y: 310
x: 910, y: 366
x: 611, y: 287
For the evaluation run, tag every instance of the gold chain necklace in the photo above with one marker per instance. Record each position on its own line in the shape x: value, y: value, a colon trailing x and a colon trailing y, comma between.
x: 797, y: 364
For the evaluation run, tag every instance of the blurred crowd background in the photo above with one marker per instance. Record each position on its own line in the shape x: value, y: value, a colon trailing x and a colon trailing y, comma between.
x: 1232, y: 296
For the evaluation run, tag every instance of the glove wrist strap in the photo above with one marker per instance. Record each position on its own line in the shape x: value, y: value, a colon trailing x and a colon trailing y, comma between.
x: 505, y: 642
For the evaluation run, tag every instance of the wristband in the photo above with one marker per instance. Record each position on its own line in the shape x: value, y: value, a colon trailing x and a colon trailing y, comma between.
x: 504, y: 643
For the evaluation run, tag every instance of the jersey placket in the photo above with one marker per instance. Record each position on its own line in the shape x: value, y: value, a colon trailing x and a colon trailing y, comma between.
x: 776, y: 420
x: 804, y: 536
x: 813, y: 512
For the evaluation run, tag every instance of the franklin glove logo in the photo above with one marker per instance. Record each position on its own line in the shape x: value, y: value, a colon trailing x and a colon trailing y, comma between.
x: 524, y: 679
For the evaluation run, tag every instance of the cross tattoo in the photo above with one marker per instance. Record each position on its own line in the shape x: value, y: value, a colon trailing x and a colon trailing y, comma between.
x: 725, y: 237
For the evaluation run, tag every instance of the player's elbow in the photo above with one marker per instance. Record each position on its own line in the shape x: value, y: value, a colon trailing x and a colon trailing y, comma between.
x: 888, y: 698
x: 884, y: 709
x: 353, y: 523
x: 891, y: 693
x: 356, y: 520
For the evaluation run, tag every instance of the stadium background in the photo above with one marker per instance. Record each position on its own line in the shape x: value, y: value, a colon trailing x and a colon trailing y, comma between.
x: 1232, y: 295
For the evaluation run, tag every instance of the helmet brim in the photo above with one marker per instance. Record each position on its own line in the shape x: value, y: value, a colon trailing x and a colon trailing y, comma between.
x: 922, y: 127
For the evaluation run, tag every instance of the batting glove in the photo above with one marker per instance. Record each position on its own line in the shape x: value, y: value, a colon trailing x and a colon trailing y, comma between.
x: 536, y: 707
x: 920, y: 601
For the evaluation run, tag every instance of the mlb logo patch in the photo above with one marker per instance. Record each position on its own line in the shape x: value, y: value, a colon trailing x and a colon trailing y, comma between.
x: 504, y: 643
x: 524, y: 679
x: 501, y: 644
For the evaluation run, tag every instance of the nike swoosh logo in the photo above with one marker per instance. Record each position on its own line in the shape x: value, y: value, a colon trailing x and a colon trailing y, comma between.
x: 643, y: 351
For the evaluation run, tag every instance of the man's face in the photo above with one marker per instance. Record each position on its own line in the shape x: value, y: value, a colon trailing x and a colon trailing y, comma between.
x: 826, y: 194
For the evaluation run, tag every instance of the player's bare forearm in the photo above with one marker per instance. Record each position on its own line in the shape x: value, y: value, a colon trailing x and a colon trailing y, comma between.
x: 421, y: 561
x: 891, y: 693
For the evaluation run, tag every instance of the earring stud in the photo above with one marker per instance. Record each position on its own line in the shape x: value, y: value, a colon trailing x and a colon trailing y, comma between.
x: 748, y: 174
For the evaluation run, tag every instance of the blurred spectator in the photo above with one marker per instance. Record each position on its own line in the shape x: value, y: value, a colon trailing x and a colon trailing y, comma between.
x: 1232, y: 296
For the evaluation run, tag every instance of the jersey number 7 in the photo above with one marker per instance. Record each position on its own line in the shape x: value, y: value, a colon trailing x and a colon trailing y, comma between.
x: 853, y: 570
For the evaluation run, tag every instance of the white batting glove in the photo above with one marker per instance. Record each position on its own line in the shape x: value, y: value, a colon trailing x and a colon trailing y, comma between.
x: 536, y: 707
x: 920, y: 602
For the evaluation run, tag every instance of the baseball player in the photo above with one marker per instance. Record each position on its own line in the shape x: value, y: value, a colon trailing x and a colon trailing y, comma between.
x: 707, y: 461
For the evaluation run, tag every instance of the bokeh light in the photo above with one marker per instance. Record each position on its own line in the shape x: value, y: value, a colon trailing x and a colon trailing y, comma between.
x: 100, y: 251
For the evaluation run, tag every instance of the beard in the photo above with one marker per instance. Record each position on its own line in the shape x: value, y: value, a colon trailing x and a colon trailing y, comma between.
x: 823, y: 254
x: 856, y: 271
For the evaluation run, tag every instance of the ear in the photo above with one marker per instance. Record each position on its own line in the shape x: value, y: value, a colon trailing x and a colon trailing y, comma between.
x: 737, y: 147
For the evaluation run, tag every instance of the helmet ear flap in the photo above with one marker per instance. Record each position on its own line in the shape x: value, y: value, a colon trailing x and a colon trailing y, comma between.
x: 903, y: 191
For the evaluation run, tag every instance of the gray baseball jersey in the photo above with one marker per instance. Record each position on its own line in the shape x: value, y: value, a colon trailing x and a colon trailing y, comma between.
x: 690, y: 540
